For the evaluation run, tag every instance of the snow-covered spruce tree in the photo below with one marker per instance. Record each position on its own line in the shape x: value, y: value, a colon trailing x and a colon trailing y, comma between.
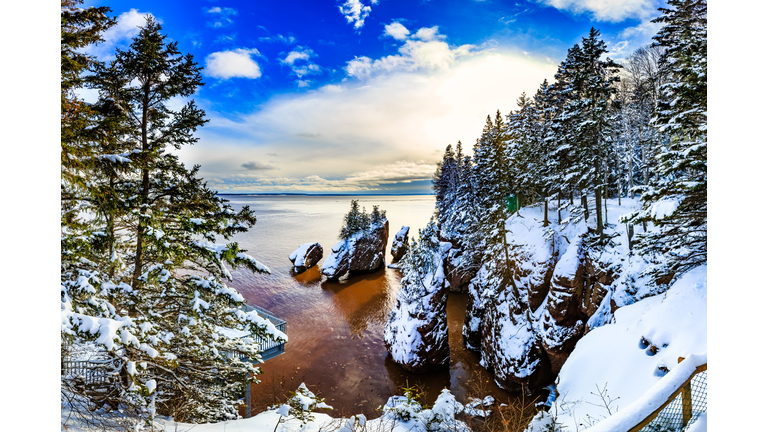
x: 444, y: 182
x: 417, y: 332
x: 677, y: 202
x: 355, y: 220
x: 163, y: 320
x: 586, y: 84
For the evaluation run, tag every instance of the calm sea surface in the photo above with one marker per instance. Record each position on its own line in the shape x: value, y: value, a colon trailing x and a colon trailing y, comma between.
x: 335, y: 330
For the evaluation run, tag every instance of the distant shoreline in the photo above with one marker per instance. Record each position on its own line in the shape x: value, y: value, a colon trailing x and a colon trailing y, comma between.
x: 307, y: 194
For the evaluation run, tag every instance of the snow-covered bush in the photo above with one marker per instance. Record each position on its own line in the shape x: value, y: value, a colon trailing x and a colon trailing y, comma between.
x: 300, y: 405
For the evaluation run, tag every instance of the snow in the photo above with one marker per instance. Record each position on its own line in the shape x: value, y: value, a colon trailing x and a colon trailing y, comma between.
x: 297, y: 256
x: 440, y: 418
x: 615, y: 359
x: 664, y: 208
x: 651, y: 399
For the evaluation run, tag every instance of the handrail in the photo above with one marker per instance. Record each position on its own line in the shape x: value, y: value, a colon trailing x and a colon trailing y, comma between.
x: 643, y: 411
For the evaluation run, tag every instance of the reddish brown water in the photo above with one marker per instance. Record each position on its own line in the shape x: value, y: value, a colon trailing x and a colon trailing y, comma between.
x: 335, y: 330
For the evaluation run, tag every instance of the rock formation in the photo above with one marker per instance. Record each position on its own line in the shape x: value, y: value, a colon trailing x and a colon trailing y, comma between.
x: 306, y: 256
x: 363, y: 251
x: 400, y: 244
x: 525, y: 328
x: 417, y: 332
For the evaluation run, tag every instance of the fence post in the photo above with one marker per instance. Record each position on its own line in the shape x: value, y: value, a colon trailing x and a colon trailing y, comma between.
x: 686, y: 399
x: 248, y: 399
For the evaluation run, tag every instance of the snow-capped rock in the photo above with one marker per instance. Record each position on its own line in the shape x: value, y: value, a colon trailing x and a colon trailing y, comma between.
x: 364, y: 251
x: 417, y: 332
x: 306, y: 256
x: 400, y: 244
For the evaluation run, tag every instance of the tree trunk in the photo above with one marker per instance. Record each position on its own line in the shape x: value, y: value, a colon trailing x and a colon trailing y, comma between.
x: 598, y: 213
x: 141, y: 230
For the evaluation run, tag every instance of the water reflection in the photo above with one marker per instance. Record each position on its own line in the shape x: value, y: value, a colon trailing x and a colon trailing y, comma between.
x: 364, y: 299
x: 335, y: 329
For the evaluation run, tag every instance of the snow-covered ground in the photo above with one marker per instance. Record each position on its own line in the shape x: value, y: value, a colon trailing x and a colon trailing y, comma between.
x: 631, y: 364
x: 400, y: 414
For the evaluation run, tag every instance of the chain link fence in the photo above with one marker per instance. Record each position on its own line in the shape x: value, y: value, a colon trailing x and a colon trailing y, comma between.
x: 683, y: 411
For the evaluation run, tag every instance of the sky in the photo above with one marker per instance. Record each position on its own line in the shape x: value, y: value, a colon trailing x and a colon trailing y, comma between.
x: 362, y: 96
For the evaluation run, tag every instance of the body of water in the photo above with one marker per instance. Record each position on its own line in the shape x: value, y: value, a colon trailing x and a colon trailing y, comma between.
x: 335, y: 330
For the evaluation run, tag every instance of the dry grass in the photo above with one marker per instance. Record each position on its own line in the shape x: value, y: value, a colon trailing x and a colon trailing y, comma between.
x: 513, y: 417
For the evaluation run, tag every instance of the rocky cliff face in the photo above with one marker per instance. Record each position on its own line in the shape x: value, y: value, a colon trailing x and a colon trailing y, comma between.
x: 417, y: 332
x: 526, y: 315
x: 363, y: 252
x: 400, y: 244
x: 306, y: 256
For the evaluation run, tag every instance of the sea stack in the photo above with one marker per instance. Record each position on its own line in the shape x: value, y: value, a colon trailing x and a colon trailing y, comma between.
x: 306, y: 256
x: 400, y: 244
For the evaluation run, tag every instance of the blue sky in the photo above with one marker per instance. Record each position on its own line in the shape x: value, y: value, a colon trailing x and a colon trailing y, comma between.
x: 360, y: 97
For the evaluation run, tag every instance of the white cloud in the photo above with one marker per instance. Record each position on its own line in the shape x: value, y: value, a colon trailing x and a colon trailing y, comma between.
x: 396, y: 30
x: 398, y: 172
x: 126, y: 28
x: 607, y: 10
x: 424, y: 50
x: 299, y: 61
x: 221, y: 16
x: 298, y: 54
x: 427, y: 34
x: 236, y: 63
x: 356, y: 12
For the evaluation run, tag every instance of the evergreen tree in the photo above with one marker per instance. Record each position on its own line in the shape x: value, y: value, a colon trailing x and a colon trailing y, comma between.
x: 160, y: 320
x: 357, y: 220
x: 378, y: 216
x: 677, y: 202
x: 444, y: 182
x: 586, y: 83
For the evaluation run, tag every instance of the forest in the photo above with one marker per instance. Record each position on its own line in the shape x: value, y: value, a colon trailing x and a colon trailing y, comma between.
x: 144, y: 281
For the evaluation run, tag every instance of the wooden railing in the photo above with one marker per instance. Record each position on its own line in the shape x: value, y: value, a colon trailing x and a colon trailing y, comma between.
x: 680, y: 403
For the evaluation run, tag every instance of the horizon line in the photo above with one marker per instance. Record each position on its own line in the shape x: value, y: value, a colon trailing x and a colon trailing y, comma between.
x: 321, y: 194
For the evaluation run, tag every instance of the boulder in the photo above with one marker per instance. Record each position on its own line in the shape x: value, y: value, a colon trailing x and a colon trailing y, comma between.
x: 400, y: 244
x: 363, y: 252
x: 306, y: 256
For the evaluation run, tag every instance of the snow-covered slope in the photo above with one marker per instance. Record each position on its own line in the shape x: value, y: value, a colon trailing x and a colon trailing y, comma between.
x: 623, y: 360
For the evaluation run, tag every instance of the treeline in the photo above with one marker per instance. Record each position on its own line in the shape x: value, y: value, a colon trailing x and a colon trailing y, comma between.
x: 600, y: 130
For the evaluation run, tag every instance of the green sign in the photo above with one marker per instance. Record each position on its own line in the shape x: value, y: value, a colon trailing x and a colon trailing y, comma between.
x: 512, y: 204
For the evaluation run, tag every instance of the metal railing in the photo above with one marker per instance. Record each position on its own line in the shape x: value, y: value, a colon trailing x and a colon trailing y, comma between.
x: 92, y: 371
x: 98, y: 369
x: 267, y: 347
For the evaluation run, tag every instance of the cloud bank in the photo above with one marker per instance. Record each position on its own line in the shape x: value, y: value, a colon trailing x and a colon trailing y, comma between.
x: 381, y: 130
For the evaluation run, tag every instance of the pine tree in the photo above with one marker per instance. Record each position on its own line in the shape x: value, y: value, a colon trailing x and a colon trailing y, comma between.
x: 677, y: 202
x: 444, y: 182
x: 355, y: 220
x: 161, y: 319
x: 586, y: 83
